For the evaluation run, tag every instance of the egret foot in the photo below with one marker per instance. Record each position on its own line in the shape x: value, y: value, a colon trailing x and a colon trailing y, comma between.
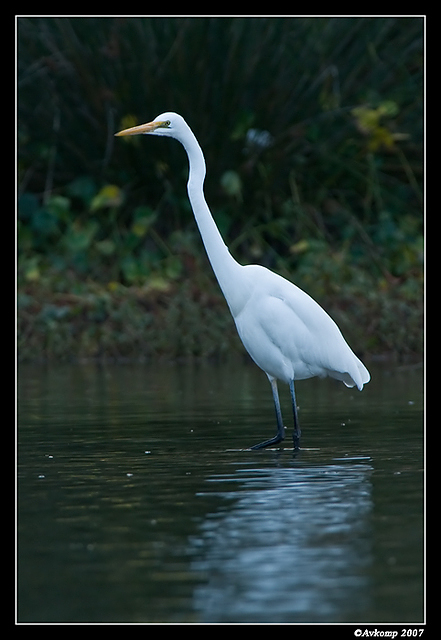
x: 278, y: 438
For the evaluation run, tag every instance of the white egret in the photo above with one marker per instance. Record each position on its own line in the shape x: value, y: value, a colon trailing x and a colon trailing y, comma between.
x: 284, y: 330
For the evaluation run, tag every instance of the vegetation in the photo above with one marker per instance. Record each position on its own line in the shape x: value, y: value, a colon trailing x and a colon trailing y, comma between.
x: 312, y: 132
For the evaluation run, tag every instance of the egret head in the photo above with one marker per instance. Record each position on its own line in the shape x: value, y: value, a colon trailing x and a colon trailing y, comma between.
x: 167, y: 124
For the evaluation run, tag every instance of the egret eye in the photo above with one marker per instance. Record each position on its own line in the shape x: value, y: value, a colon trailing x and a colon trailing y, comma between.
x: 166, y: 123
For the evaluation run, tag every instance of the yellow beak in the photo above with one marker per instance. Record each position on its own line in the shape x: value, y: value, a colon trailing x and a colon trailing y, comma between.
x: 141, y: 128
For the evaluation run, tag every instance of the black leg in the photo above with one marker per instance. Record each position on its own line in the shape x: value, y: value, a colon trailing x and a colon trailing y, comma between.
x: 280, y: 428
x: 297, y: 432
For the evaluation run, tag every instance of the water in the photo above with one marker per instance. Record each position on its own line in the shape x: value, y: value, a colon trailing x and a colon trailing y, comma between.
x: 138, y: 503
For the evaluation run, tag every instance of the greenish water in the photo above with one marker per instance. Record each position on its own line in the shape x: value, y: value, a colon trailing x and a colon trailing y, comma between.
x: 138, y: 503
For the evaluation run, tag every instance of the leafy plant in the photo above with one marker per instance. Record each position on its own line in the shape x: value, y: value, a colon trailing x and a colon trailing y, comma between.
x: 312, y: 131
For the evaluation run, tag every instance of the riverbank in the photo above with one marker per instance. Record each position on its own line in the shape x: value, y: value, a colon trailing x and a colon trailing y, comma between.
x: 187, y: 319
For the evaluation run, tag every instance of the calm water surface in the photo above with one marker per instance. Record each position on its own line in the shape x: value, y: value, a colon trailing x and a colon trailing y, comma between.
x: 138, y: 501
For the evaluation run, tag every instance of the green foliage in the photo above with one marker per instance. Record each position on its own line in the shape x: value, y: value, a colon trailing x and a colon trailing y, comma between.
x: 312, y: 131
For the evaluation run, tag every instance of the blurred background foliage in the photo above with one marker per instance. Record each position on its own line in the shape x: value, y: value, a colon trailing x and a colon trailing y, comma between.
x: 312, y: 130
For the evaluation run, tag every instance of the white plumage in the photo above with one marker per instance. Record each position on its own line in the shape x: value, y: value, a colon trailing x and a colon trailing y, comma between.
x: 284, y: 330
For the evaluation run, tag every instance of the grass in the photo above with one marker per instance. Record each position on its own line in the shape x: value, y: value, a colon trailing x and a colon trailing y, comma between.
x: 312, y: 131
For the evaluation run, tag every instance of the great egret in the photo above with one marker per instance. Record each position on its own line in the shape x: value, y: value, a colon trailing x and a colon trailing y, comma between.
x: 284, y: 330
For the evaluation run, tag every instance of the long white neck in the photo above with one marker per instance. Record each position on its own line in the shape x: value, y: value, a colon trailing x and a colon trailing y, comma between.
x: 227, y: 271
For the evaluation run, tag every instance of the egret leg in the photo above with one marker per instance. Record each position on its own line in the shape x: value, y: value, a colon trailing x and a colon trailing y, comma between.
x: 297, y: 432
x: 280, y: 428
